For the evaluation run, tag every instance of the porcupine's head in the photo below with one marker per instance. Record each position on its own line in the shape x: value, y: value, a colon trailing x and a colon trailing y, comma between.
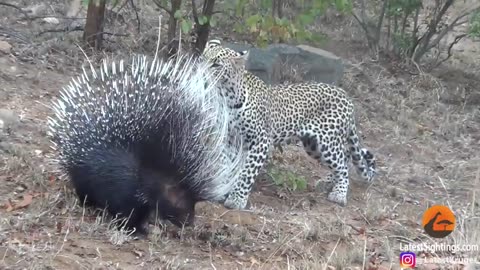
x: 165, y: 118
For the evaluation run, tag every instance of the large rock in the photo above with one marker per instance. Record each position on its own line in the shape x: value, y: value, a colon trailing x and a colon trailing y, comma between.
x: 316, y: 64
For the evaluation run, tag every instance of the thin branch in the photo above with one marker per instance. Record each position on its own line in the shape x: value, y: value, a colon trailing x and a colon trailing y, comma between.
x: 136, y: 14
x: 15, y: 7
x: 412, y: 58
x: 450, y: 27
x: 389, y: 31
x: 113, y: 34
x: 61, y: 30
x: 378, y: 30
x: 371, y: 37
x: 169, y: 11
x: 449, y: 51
x: 380, y: 20
x: 362, y: 10
x: 195, y: 13
x: 75, y: 29
x: 52, y: 16
x: 404, y: 24
x: 432, y: 30
x: 362, y: 24
x: 122, y: 6
x: 415, y: 39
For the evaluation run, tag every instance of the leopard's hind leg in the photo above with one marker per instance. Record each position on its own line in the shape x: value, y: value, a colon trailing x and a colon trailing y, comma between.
x: 331, y: 152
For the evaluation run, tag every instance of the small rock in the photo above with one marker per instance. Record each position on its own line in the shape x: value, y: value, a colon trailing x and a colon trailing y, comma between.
x: 312, y: 63
x: 239, y: 254
x: 5, y: 47
x: 51, y: 20
x: 20, y: 189
x: 7, y: 118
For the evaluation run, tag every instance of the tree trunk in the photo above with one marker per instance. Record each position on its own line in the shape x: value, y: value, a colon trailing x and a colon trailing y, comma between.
x: 172, y: 21
x: 204, y: 30
x: 93, y: 33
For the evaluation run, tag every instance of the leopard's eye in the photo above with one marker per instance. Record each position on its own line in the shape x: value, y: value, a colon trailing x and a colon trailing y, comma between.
x: 215, y: 64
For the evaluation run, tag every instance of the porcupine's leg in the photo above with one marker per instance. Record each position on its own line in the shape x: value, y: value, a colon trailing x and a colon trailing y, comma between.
x: 256, y: 157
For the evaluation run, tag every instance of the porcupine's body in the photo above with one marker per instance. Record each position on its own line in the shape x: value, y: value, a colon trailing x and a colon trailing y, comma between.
x: 145, y: 136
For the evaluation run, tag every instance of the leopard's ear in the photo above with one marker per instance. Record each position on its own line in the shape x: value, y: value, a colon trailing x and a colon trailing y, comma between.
x: 245, y: 54
x: 213, y: 43
x: 241, y: 59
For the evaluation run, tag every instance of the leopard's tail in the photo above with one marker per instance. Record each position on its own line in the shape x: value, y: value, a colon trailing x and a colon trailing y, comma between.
x: 362, y: 158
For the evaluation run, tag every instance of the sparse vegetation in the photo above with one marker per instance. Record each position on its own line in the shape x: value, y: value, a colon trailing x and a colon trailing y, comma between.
x: 287, y: 179
x: 191, y: 20
x: 411, y: 29
x: 474, y: 27
x: 268, y: 21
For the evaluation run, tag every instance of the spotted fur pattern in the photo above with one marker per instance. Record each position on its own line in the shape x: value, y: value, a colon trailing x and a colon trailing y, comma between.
x: 318, y: 114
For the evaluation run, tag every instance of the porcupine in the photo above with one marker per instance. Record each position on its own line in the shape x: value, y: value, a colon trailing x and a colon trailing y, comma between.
x: 145, y: 136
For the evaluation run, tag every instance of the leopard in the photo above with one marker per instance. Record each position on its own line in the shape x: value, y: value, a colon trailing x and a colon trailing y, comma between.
x: 320, y: 115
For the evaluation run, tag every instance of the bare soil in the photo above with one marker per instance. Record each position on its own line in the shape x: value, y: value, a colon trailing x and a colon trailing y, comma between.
x: 424, y: 130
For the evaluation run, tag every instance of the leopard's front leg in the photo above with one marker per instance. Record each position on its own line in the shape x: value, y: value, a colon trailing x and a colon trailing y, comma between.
x: 257, y: 155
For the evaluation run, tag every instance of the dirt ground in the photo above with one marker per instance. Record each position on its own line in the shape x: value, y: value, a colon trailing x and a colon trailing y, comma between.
x: 424, y: 130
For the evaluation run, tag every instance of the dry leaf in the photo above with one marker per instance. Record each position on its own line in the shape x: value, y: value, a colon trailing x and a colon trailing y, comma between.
x: 138, y: 253
x: 9, y: 206
x: 51, y: 179
x: 27, y: 200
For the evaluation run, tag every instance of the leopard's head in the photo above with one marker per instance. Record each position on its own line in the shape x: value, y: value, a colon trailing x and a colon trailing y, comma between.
x: 228, y: 64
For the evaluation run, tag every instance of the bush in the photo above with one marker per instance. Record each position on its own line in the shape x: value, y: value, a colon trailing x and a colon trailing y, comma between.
x: 409, y: 29
x: 268, y: 22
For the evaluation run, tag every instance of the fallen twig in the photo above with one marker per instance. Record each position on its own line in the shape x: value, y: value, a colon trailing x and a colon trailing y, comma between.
x: 15, y: 7
x: 77, y: 28
x: 136, y: 15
